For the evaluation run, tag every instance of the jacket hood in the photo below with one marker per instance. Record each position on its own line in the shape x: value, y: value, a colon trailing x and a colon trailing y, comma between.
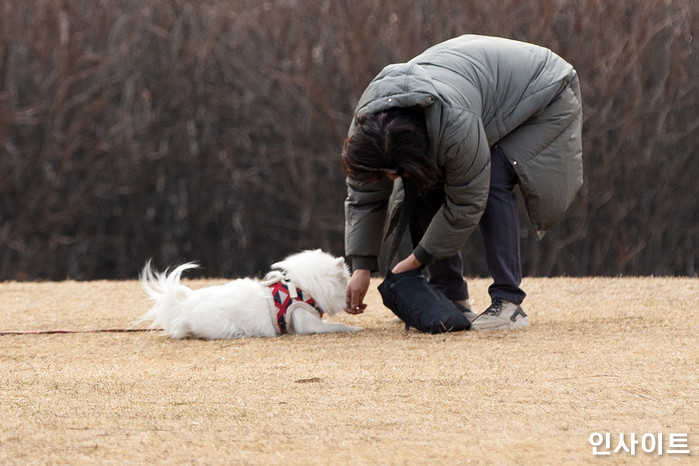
x: 400, y: 85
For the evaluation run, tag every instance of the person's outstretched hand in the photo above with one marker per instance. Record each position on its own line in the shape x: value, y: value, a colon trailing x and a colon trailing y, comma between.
x: 356, y: 290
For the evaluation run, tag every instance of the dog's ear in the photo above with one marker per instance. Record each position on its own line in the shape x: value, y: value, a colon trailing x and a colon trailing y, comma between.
x: 340, y: 261
x: 278, y: 265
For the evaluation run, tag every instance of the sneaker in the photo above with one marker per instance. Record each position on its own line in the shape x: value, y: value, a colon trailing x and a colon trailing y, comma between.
x: 501, y: 315
x: 465, y: 307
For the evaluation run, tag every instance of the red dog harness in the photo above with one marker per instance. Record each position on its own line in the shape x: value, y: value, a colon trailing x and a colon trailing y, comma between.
x: 284, y: 296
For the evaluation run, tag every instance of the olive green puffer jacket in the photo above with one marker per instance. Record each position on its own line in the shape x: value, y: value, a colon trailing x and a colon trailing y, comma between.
x: 476, y: 91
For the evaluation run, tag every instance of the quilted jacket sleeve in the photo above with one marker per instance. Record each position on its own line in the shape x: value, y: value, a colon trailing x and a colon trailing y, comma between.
x: 465, y: 161
x: 365, y: 216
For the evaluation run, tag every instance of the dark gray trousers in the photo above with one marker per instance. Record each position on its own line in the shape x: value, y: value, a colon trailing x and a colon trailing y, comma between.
x: 500, y: 230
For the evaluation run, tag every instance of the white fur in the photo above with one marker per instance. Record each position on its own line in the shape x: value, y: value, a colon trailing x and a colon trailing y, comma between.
x: 245, y: 307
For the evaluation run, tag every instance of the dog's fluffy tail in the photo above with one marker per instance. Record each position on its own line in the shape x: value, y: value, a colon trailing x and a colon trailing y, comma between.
x: 167, y: 294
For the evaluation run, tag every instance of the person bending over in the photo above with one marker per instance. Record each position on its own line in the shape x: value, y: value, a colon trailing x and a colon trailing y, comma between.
x: 463, y: 123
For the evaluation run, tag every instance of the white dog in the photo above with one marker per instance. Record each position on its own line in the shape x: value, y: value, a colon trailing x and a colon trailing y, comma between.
x: 292, y: 298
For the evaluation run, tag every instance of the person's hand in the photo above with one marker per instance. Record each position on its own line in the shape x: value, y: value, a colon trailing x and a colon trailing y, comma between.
x: 356, y: 290
x: 410, y: 263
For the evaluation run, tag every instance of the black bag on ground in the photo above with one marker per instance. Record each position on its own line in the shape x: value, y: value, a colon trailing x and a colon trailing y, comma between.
x: 419, y: 304
x: 410, y: 296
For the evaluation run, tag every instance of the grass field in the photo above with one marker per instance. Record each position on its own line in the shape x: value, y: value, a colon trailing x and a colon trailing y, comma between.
x: 616, y: 355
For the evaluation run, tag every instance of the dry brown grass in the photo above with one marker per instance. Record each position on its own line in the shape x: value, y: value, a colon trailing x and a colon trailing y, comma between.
x: 603, y: 354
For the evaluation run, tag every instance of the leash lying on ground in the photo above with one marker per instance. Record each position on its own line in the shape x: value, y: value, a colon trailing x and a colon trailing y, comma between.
x: 98, y: 330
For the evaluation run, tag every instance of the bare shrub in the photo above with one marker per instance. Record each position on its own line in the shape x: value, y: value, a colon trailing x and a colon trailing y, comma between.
x: 211, y: 130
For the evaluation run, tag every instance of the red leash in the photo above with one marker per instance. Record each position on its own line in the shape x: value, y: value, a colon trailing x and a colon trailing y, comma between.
x: 99, y: 330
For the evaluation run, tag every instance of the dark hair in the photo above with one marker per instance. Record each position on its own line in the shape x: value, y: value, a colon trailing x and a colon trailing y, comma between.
x: 394, y: 139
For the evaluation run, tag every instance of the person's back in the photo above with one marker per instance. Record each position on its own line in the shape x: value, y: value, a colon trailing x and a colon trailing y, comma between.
x: 503, y: 81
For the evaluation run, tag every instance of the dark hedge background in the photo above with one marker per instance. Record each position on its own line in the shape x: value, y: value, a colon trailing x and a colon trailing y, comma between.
x: 211, y: 130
